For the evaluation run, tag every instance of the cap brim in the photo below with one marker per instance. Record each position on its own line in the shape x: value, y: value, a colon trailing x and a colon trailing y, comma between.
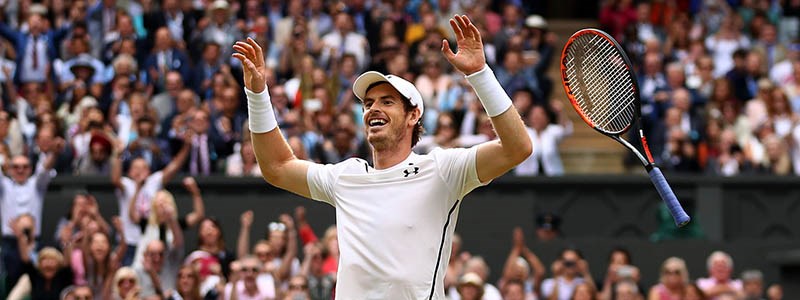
x: 364, y: 81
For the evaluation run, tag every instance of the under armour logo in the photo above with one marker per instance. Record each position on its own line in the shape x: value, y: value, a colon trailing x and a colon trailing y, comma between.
x: 409, y: 171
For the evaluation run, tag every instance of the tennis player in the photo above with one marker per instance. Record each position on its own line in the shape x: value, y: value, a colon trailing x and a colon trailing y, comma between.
x: 394, y: 219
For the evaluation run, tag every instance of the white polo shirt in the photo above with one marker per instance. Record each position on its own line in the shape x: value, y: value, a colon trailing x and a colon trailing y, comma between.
x: 395, y: 225
x: 17, y: 199
x: 151, y: 186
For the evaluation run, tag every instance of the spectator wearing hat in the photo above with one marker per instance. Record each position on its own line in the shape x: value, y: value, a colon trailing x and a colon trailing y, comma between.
x: 217, y: 27
x: 470, y: 287
x: 98, y: 160
x: 36, y: 48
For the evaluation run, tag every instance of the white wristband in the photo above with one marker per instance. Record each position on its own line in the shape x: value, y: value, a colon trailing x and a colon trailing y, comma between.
x: 261, y: 117
x: 489, y: 91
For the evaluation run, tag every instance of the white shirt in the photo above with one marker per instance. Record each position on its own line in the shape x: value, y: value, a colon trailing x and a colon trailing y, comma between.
x: 545, y: 148
x: 565, y: 289
x: 152, y: 184
x: 395, y: 225
x: 17, y: 199
x: 490, y: 292
x: 38, y: 74
x: 352, y: 43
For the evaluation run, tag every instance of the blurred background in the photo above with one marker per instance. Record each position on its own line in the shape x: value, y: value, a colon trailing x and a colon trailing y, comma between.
x: 126, y: 155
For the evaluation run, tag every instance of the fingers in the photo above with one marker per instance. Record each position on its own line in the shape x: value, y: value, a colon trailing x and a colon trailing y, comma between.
x: 448, y: 53
x: 476, y: 34
x: 246, y: 49
x: 259, y: 52
x: 462, y: 23
x: 246, y: 62
x: 456, y: 28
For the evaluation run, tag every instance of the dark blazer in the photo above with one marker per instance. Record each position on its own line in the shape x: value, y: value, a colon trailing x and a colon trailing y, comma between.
x: 20, y: 41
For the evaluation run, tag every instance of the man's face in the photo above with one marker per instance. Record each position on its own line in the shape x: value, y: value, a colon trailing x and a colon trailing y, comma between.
x: 20, y: 168
x: 98, y: 153
x: 155, y: 254
x: 200, y: 122
x: 753, y: 288
x: 185, y: 101
x: 139, y: 170
x: 35, y: 24
x: 386, y: 120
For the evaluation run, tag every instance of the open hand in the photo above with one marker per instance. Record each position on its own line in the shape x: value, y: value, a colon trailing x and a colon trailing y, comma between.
x: 252, y: 57
x: 469, y: 57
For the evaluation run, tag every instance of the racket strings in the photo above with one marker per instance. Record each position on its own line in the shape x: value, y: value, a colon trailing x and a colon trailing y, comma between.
x: 600, y: 83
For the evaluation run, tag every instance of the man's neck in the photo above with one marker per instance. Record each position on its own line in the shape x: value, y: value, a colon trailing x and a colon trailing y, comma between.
x: 385, y: 159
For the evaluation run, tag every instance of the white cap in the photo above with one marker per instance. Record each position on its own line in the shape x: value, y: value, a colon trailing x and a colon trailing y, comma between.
x: 536, y: 21
x: 405, y: 88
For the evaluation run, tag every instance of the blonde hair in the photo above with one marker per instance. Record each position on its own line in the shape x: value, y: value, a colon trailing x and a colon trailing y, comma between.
x: 123, y: 273
x: 677, y: 262
x: 165, y: 197
x: 52, y: 253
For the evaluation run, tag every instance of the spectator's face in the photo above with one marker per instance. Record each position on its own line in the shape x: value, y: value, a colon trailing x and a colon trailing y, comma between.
x: 99, y: 247
x: 298, y: 285
x: 230, y: 100
x: 155, y: 253
x: 626, y: 292
x: 469, y: 292
x: 125, y: 26
x: 720, y: 269
x: 446, y: 128
x: 277, y: 239
x: 672, y: 276
x: 209, y: 233
x: 538, y: 118
x: 250, y: 269
x: 220, y: 16
x: 200, y: 122
x: 146, y: 129
x: 173, y: 83
x: 386, y: 121
x: 263, y: 252
x: 98, y: 152
x: 342, y: 22
x: 753, y: 289
x: 82, y: 293
x: 680, y: 99
x: 187, y: 280
x: 582, y: 292
x: 125, y: 285
x: 163, y: 39
x: 570, y: 260
x: 35, y: 24
x: 48, y: 266
x: 768, y: 34
x: 20, y: 168
x: 139, y: 170
x: 514, y: 292
x: 775, y: 292
x: 211, y: 54
x: 753, y: 63
x: 184, y: 101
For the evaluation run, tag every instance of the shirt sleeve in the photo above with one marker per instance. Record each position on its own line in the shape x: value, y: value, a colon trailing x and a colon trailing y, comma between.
x: 43, y: 176
x: 457, y: 168
x: 321, y: 180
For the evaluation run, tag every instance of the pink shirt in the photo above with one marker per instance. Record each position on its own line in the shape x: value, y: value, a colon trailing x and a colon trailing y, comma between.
x: 706, y: 284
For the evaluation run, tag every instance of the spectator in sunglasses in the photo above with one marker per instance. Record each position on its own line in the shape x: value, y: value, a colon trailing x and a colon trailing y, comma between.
x: 298, y: 289
x: 126, y: 284
x: 249, y: 285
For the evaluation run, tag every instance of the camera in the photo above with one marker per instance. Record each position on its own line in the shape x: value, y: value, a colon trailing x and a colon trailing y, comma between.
x: 625, y: 272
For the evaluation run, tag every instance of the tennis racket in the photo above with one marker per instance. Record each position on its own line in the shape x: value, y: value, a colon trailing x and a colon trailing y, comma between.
x: 599, y: 81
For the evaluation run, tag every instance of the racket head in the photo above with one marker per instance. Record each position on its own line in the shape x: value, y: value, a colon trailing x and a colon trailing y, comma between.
x: 599, y: 81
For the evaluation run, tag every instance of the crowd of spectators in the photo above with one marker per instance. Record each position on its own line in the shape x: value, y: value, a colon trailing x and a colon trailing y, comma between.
x: 718, y: 81
x: 143, y: 91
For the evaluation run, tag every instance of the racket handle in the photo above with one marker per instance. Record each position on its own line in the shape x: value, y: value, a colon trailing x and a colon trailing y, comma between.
x: 680, y: 216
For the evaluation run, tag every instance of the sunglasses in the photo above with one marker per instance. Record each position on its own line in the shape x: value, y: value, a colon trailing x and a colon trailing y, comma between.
x: 262, y: 253
x: 20, y: 166
x: 81, y: 297
x: 128, y: 280
x: 672, y: 272
x: 298, y: 287
x: 276, y: 226
x: 253, y: 270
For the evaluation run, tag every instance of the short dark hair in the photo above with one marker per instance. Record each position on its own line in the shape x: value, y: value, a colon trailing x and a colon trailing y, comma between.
x: 418, y: 129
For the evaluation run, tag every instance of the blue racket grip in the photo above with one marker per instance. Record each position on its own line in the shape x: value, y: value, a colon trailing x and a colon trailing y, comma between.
x: 680, y: 216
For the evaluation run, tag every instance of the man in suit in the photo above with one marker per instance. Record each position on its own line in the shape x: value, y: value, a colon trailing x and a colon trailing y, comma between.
x: 164, y: 58
x: 207, y: 146
x: 35, y: 49
x: 179, y: 23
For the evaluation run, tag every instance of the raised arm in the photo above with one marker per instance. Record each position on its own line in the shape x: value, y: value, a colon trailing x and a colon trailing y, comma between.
x: 243, y: 243
x: 116, y: 164
x: 199, y: 209
x: 177, y: 162
x: 284, y: 271
x: 279, y: 166
x: 497, y: 157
